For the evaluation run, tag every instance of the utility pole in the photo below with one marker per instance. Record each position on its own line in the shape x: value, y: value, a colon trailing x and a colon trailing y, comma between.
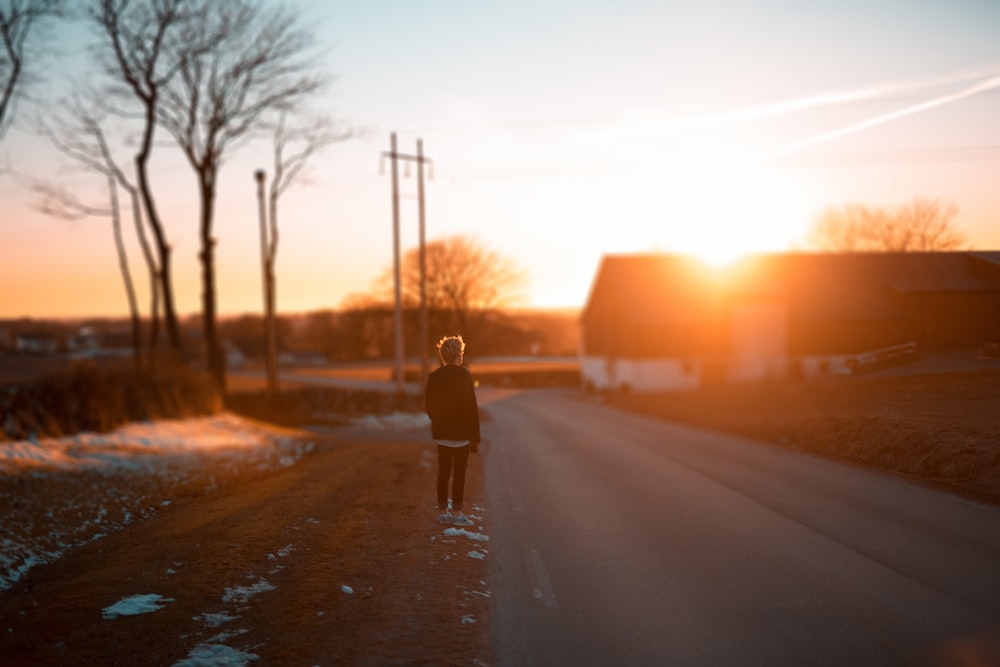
x: 423, y: 264
x: 419, y: 158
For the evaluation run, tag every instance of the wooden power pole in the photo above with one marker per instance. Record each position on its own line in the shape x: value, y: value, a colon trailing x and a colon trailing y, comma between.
x: 394, y: 155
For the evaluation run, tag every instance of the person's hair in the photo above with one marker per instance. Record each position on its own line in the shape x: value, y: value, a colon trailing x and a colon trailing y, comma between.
x: 451, y: 349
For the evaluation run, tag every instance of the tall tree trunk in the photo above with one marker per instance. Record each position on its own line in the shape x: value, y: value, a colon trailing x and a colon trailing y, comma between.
x: 269, y: 275
x: 154, y: 316
x: 133, y: 305
x: 162, y: 247
x: 154, y: 276
x: 215, y: 360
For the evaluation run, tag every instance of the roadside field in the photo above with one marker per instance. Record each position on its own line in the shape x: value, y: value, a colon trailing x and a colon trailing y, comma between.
x: 939, y: 429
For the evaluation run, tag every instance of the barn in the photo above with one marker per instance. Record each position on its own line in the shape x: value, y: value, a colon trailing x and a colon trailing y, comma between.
x: 661, y: 321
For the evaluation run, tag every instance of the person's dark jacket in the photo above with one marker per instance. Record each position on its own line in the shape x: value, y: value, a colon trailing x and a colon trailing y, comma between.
x: 450, y: 401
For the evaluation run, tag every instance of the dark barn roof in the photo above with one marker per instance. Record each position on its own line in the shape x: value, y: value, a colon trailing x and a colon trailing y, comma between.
x: 674, y: 305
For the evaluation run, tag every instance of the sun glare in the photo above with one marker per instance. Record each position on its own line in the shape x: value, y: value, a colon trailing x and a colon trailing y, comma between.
x: 721, y: 210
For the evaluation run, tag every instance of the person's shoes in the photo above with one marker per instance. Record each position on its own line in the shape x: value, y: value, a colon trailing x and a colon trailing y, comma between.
x: 447, y: 517
x: 461, y: 520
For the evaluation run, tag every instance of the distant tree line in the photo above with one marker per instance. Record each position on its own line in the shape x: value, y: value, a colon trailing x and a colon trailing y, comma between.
x: 366, y: 333
x: 470, y: 289
x: 355, y: 333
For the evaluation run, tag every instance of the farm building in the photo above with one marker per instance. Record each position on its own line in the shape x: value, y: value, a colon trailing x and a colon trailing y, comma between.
x: 671, y: 322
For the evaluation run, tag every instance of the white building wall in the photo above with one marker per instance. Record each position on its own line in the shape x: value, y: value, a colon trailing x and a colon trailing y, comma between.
x: 758, y: 342
x: 815, y: 366
x: 640, y: 374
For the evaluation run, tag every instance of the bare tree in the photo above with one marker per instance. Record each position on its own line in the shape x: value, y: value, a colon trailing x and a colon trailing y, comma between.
x: 19, y: 20
x: 465, y: 281
x: 292, y: 147
x: 921, y: 226
x: 78, y: 134
x: 249, y: 61
x: 927, y: 225
x: 142, y: 49
x: 77, y: 131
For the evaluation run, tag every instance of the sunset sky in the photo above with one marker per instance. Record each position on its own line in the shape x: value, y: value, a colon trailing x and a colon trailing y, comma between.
x: 561, y: 131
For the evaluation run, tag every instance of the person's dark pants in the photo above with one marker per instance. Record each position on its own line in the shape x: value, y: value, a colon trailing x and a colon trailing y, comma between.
x: 452, y: 460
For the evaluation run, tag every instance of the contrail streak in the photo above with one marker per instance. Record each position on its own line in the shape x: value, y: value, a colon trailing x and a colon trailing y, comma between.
x: 941, y: 100
x: 636, y: 126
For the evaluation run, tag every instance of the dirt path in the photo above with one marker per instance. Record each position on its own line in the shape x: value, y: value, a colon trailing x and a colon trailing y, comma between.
x: 334, y: 561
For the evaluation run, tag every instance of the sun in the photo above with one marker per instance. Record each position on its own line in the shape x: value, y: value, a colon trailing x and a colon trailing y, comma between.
x: 720, y: 208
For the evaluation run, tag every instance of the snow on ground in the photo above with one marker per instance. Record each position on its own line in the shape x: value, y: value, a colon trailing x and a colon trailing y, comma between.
x: 134, y: 605
x: 397, y: 421
x: 454, y: 532
x: 237, y: 599
x: 61, y: 493
x: 479, y: 552
x: 128, y: 448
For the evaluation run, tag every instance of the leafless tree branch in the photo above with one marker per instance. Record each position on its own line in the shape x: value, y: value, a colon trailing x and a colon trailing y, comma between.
x: 19, y: 20
x: 923, y: 225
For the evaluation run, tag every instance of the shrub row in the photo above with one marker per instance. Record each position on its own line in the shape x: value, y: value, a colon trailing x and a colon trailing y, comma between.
x: 95, y: 398
x: 99, y: 399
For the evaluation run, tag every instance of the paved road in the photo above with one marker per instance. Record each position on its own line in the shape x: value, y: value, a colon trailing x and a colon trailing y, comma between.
x: 620, y: 540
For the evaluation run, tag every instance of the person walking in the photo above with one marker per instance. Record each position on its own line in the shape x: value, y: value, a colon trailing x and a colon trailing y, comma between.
x: 450, y: 402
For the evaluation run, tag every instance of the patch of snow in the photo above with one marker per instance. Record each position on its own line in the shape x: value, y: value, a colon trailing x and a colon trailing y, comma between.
x: 170, y: 453
x: 468, y: 619
x: 244, y: 593
x: 214, y: 653
x: 455, y: 532
x: 215, y: 620
x: 478, y: 555
x: 135, y: 605
x: 347, y: 589
x: 367, y: 421
x: 397, y: 421
x: 121, y: 447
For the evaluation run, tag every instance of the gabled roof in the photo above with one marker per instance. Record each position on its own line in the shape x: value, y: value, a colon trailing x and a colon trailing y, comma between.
x: 666, y: 289
x: 642, y: 304
x: 653, y: 287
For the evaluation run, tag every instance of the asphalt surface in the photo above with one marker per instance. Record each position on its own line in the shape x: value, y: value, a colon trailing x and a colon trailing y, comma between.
x: 621, y: 540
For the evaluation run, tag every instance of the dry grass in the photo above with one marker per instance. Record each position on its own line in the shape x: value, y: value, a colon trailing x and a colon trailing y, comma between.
x: 91, y: 397
x: 19, y: 369
x: 939, y: 429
